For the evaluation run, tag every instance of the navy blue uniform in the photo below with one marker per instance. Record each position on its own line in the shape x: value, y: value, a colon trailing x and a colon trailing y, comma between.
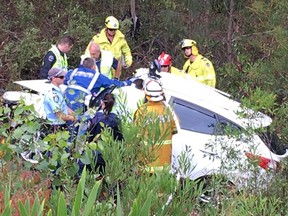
x: 84, y: 81
x: 110, y: 121
x: 98, y: 123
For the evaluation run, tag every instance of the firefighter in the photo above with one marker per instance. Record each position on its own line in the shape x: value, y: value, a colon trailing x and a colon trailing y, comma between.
x: 56, y: 57
x: 165, y: 61
x: 152, y: 116
x: 112, y: 39
x: 197, y: 67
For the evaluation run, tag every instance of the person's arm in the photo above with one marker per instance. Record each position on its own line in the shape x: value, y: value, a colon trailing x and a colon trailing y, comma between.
x: 127, y: 54
x: 106, y: 82
x: 65, y: 117
x: 70, y: 111
x: 117, y: 66
x: 48, y: 62
x: 117, y: 133
x: 210, y: 77
x: 68, y: 77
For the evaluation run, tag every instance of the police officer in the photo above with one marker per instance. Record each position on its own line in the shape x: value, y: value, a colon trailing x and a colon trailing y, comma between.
x: 56, y: 56
x: 55, y: 107
x: 197, y: 67
x: 156, y: 113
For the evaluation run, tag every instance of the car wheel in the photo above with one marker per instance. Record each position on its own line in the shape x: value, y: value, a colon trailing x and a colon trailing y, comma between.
x: 217, y: 189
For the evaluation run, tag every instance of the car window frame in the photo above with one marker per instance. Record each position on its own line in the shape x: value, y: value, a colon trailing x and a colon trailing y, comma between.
x: 219, y: 119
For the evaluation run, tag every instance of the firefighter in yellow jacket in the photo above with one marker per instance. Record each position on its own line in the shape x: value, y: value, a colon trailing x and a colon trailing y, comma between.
x: 165, y: 60
x: 197, y: 67
x: 111, y: 38
x: 156, y: 116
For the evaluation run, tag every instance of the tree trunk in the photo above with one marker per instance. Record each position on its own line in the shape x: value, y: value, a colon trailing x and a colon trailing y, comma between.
x: 230, y: 32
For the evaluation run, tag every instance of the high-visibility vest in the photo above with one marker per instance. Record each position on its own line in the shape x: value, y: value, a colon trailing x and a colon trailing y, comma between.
x: 106, y: 62
x: 61, y: 61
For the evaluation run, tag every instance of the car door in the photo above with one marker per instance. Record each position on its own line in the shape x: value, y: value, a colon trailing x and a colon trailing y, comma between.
x: 196, y: 129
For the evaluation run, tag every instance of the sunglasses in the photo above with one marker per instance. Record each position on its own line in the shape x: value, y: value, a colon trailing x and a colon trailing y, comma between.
x: 186, y: 48
x: 112, y: 29
x: 164, y: 66
x: 60, y: 77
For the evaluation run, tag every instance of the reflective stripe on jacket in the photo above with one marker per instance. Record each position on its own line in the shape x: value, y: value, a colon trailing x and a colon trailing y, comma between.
x: 201, y: 70
x: 106, y: 62
x: 158, y: 113
x: 61, y: 62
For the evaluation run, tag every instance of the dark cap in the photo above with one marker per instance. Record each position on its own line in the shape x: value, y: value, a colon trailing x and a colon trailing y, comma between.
x: 54, y: 72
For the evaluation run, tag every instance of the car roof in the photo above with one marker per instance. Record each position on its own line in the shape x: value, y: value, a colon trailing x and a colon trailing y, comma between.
x: 188, y: 90
x: 209, y: 98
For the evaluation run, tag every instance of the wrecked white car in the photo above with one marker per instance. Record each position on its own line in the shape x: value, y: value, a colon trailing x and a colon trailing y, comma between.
x: 215, y: 134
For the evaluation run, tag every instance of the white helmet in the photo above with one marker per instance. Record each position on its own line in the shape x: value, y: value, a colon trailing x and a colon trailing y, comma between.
x: 153, y: 90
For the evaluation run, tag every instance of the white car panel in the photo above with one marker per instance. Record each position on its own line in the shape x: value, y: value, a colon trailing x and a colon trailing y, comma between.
x: 200, y: 113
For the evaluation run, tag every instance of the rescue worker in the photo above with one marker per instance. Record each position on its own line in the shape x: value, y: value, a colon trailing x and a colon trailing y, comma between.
x: 105, y: 61
x: 197, y: 67
x: 86, y: 81
x: 56, y: 57
x: 112, y: 39
x: 157, y: 117
x: 104, y: 118
x: 129, y: 99
x: 165, y: 61
x: 55, y: 107
x: 57, y: 113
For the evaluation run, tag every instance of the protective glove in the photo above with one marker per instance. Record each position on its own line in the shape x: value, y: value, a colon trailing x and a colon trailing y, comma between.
x: 129, y: 81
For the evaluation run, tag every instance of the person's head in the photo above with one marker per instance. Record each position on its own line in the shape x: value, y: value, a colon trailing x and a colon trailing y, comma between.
x: 138, y: 83
x: 56, y: 76
x: 189, y: 47
x: 112, y: 25
x: 153, y: 90
x: 107, y: 103
x: 165, y: 61
x: 89, y: 63
x: 94, y: 50
x: 65, y: 43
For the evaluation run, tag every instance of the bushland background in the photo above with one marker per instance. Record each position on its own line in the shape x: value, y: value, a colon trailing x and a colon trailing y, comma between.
x: 246, y: 40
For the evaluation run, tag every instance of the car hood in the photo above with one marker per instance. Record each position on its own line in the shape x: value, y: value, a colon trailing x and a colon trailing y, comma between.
x: 38, y: 86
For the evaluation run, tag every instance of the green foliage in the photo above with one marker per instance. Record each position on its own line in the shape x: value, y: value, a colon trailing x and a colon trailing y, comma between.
x: 257, y: 75
x: 23, y: 208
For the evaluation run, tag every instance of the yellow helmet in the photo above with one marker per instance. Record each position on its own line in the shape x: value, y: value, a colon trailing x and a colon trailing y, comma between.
x: 187, y: 43
x: 112, y: 23
x: 190, y: 43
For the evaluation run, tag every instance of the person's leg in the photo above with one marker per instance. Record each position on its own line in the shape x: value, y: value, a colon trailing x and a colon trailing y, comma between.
x: 99, y: 162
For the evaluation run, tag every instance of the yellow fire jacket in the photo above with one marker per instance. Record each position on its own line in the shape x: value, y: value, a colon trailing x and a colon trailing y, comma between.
x: 176, y: 71
x: 201, y: 70
x: 118, y: 47
x: 158, y: 118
